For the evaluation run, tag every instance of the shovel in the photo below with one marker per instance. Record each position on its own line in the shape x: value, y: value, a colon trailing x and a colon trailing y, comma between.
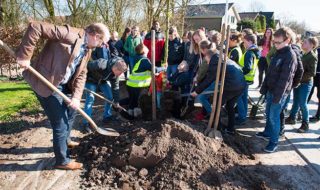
x: 256, y: 107
x: 124, y: 113
x: 217, y: 97
x: 102, y: 131
x: 203, y: 93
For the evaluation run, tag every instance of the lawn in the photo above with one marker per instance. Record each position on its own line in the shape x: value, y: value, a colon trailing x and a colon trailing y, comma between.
x: 16, y: 97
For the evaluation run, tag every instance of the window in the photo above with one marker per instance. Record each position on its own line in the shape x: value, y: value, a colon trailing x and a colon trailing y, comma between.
x: 232, y: 19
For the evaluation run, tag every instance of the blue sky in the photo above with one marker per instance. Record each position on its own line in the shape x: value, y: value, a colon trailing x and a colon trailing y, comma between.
x: 300, y: 10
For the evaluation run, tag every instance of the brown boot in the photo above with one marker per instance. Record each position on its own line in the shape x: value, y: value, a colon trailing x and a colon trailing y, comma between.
x: 73, y: 144
x: 70, y: 166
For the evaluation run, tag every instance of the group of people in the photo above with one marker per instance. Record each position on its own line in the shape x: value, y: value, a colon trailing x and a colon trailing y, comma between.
x: 75, y: 60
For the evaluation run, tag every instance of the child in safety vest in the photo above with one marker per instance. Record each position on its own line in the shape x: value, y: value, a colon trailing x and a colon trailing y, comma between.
x: 248, y: 62
x: 139, y: 79
x: 235, y: 52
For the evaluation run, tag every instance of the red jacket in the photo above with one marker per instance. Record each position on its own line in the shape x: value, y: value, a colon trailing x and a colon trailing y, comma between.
x: 160, y: 40
x: 159, y: 82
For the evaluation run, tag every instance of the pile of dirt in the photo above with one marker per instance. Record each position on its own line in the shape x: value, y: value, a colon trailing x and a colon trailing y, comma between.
x: 162, y: 155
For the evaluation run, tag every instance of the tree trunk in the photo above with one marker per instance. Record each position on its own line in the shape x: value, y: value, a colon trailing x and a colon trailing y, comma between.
x: 50, y: 8
x: 167, y: 31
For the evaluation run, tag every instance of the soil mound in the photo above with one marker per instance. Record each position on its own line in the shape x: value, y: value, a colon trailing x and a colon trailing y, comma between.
x: 158, y: 155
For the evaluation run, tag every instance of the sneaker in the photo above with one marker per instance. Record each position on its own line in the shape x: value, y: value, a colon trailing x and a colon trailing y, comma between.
x: 261, y: 135
x: 304, y: 127
x: 271, y: 147
x: 228, y: 131
x: 315, y: 118
x: 290, y: 120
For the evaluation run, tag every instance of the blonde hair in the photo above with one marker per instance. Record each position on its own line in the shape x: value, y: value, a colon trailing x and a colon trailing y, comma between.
x: 194, y: 47
x: 314, y: 41
x: 100, y: 29
x: 173, y: 30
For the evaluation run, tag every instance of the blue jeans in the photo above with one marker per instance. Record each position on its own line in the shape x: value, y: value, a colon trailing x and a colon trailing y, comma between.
x: 171, y: 70
x: 242, y: 104
x: 300, y: 100
x: 204, y: 98
x: 105, y: 88
x: 159, y: 94
x: 131, y: 63
x: 61, y: 119
x: 273, y: 117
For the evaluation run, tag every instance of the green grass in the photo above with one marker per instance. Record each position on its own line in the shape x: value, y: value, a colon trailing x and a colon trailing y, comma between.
x: 16, y: 97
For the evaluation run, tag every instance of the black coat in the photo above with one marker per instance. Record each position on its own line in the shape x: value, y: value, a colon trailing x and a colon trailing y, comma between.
x: 100, y: 71
x: 234, y: 79
x: 299, y: 72
x: 175, y: 52
x: 280, y: 74
x: 181, y: 80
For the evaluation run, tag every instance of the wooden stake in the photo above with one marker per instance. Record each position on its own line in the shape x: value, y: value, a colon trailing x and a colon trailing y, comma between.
x: 215, y: 93
x: 153, y: 81
x: 223, y: 75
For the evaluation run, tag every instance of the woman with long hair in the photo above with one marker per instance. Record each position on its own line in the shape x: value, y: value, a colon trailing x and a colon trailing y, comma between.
x: 265, y: 44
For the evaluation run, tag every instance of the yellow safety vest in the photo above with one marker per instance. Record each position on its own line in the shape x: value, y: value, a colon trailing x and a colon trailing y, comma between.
x: 250, y: 76
x: 139, y: 80
x: 238, y: 49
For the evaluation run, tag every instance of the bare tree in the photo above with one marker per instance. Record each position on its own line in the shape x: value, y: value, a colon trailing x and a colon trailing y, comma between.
x: 153, y: 10
x: 50, y: 8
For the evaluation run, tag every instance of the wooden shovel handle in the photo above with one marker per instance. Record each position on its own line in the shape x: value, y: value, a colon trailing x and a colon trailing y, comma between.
x: 51, y: 86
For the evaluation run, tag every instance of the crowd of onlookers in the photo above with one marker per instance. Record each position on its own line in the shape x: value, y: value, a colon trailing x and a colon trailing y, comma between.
x: 284, y: 65
x: 74, y: 58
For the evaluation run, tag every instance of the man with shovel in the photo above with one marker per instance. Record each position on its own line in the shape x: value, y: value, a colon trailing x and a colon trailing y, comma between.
x: 103, y: 74
x: 63, y: 62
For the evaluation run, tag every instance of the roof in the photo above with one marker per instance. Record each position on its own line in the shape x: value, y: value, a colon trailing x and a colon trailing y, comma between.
x: 248, y: 15
x: 268, y: 15
x: 253, y: 15
x: 207, y: 10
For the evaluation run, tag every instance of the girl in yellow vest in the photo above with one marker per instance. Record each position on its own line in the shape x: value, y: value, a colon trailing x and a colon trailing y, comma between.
x: 235, y: 52
x: 139, y: 79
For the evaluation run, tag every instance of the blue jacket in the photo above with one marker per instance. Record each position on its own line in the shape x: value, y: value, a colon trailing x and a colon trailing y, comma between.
x: 181, y: 80
x: 249, y: 58
x: 145, y: 64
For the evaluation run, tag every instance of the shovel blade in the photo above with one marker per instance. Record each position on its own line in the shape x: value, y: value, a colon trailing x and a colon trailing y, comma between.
x: 215, y: 134
x: 107, y: 132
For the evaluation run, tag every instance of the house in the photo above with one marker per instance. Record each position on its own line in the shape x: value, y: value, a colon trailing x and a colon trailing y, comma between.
x: 309, y: 33
x: 210, y: 16
x: 255, y: 15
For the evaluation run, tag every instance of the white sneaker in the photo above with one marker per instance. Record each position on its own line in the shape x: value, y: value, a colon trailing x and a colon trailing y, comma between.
x: 137, y: 112
x: 130, y: 112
